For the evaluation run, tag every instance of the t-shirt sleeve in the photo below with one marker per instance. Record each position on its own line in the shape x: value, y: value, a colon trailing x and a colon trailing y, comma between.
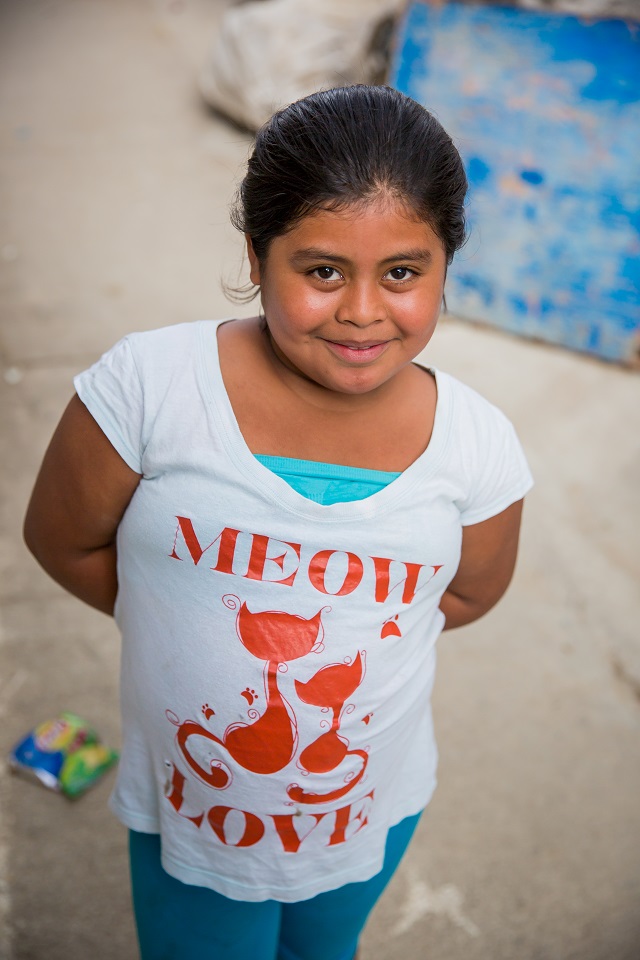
x: 500, y: 474
x: 111, y: 391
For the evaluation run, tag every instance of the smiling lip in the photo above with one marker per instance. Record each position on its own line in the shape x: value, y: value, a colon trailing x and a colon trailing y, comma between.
x: 356, y: 352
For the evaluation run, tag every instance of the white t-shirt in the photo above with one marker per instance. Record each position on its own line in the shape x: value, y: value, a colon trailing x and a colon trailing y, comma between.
x: 278, y: 654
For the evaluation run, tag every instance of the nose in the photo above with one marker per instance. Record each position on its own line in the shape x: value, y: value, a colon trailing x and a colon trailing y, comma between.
x: 361, y: 304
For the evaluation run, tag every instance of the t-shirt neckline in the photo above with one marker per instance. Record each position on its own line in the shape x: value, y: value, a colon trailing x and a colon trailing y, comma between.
x: 278, y: 490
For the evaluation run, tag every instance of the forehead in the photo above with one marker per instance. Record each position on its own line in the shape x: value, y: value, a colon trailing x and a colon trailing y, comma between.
x: 382, y: 226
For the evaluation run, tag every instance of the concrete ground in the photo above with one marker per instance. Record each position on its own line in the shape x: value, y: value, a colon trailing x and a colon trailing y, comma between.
x: 116, y: 184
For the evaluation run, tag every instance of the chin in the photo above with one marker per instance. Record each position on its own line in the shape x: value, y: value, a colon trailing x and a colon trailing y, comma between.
x: 355, y: 387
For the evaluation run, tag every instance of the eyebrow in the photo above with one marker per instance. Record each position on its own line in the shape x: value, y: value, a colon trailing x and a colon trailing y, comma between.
x: 309, y: 254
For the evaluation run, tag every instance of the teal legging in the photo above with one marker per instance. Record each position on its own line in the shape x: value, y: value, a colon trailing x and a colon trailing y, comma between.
x: 177, y: 921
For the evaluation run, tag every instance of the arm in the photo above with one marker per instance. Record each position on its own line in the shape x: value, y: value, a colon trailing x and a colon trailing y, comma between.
x: 489, y: 551
x: 79, y: 498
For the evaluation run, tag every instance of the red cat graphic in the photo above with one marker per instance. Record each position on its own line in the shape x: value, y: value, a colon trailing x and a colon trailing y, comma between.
x: 329, y: 687
x: 267, y: 744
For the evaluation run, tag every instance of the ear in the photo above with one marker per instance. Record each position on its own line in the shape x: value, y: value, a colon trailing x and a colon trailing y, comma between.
x: 254, y: 263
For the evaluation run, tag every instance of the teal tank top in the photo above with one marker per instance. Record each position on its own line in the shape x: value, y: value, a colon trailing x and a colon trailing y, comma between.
x: 328, y: 483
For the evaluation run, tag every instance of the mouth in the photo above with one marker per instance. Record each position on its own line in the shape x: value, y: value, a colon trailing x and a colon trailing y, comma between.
x: 357, y: 352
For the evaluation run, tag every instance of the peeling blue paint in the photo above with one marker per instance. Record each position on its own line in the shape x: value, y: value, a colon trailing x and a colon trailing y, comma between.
x: 482, y: 286
x: 477, y: 170
x: 614, y: 78
x: 593, y: 339
x: 546, y: 111
x: 518, y: 304
x: 532, y: 176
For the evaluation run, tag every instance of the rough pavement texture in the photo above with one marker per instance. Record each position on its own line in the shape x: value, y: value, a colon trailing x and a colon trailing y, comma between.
x: 116, y: 183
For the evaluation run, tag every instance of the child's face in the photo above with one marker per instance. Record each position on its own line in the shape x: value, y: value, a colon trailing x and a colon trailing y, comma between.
x: 352, y: 296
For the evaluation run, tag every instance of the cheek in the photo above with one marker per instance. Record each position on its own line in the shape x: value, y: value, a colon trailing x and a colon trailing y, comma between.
x: 298, y: 306
x: 418, y: 312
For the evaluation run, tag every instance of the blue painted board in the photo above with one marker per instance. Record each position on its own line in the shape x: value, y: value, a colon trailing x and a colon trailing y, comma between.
x: 545, y: 110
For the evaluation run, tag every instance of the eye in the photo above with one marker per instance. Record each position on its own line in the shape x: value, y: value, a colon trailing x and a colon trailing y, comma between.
x: 399, y: 274
x: 326, y: 274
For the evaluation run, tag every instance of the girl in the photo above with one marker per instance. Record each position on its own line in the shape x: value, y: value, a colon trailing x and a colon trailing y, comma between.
x: 283, y: 513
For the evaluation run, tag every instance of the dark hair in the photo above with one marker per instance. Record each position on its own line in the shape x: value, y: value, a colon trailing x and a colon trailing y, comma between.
x: 345, y: 145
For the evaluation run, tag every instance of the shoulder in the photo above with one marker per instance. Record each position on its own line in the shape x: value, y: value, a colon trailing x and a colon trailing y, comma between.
x: 467, y: 407
x: 177, y: 336
x: 166, y: 351
x: 484, y: 451
x: 145, y: 362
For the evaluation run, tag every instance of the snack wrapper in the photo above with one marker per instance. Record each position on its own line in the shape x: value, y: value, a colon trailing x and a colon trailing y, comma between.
x: 65, y: 754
